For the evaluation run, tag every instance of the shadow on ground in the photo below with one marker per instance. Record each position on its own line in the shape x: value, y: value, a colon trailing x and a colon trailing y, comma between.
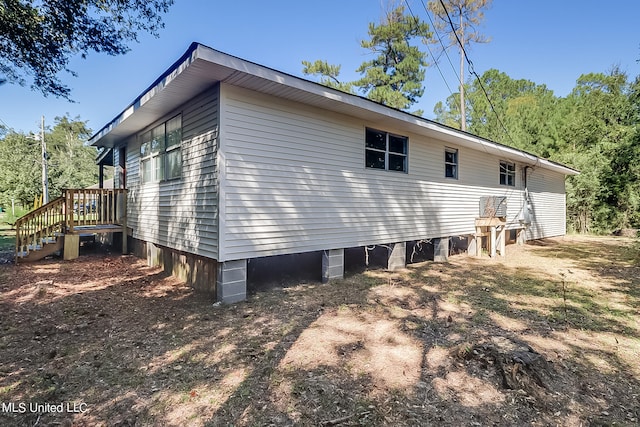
x: 548, y: 336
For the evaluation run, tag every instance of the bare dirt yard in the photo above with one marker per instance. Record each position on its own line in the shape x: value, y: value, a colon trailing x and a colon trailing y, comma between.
x: 548, y: 336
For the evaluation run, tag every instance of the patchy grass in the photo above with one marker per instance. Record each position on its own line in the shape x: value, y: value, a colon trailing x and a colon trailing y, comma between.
x: 7, y: 235
x: 8, y: 217
x: 548, y: 336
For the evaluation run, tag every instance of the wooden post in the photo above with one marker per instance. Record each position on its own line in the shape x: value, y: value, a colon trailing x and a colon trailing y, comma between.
x: 18, y: 240
x: 114, y: 200
x: 71, y: 247
x: 503, y: 238
x: 69, y: 213
x: 478, y: 241
x: 101, y: 207
x: 124, y: 223
x: 492, y: 243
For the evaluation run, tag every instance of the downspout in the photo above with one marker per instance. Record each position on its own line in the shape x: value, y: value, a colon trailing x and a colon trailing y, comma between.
x: 527, y: 208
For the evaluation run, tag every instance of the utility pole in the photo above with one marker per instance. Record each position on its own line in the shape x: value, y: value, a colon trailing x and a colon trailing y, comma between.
x: 463, y: 113
x: 45, y: 175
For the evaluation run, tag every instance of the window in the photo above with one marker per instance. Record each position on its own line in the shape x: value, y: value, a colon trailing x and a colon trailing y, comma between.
x: 385, y: 151
x: 160, y: 151
x: 507, y: 174
x: 451, y: 163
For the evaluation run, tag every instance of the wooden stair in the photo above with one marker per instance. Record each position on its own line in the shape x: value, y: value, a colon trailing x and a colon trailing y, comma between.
x: 39, y: 252
x: 40, y: 233
x: 44, y: 231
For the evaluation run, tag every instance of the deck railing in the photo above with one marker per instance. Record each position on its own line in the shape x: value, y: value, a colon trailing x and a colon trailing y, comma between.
x: 95, y: 206
x: 76, y: 208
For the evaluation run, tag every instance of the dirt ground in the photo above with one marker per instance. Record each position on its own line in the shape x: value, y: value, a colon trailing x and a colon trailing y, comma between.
x: 548, y: 336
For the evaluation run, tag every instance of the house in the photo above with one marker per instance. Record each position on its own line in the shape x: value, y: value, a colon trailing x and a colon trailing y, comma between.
x: 226, y: 161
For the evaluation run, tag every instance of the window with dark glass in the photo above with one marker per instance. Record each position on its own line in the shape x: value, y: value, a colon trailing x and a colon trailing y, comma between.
x: 508, y: 174
x: 451, y: 163
x: 385, y: 151
x: 160, y: 151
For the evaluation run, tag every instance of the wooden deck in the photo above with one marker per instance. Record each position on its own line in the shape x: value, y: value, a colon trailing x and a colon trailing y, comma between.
x: 77, y: 212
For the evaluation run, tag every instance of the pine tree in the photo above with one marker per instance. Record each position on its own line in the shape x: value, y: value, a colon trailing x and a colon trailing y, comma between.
x: 395, y: 76
x: 328, y: 74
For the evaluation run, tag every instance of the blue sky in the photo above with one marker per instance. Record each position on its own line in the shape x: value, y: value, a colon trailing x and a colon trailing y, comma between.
x: 550, y: 42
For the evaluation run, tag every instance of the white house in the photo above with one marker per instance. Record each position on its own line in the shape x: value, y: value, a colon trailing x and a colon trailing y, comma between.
x: 226, y: 160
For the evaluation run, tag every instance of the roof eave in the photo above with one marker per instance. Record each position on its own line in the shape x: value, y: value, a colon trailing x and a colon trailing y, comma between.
x: 100, y: 138
x: 220, y: 67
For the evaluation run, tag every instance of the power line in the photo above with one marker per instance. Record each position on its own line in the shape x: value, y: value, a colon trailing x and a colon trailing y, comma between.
x: 455, y: 33
x: 445, y: 51
x: 473, y: 71
x: 9, y: 128
x: 444, y: 48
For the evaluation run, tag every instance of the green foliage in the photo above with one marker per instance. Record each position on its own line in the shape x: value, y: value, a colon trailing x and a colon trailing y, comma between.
x: 328, y: 74
x: 39, y: 38
x: 447, y: 114
x: 71, y: 163
x: 395, y: 76
x: 20, y: 169
x: 598, y: 133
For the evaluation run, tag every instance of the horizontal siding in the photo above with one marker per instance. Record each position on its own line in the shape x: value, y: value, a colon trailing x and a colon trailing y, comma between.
x: 294, y: 181
x: 548, y: 203
x: 181, y: 214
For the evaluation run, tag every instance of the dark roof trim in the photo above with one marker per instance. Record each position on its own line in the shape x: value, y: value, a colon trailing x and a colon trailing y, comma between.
x: 183, y: 62
x: 105, y: 157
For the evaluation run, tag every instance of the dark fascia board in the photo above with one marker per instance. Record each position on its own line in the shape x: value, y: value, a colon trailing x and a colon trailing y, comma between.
x: 233, y: 65
x: 105, y: 157
x: 181, y: 64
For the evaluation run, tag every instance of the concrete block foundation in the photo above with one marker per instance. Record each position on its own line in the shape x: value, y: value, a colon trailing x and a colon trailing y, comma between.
x: 231, y: 284
x: 441, y: 249
x: 397, y: 256
x: 472, y: 241
x: 332, y: 265
x: 230, y: 281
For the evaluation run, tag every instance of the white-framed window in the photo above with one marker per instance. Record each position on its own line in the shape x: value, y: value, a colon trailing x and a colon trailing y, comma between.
x: 160, y: 151
x: 507, y: 173
x: 451, y: 163
x: 386, y: 151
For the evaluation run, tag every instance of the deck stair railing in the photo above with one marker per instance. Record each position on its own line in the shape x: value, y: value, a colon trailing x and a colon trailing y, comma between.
x: 40, y: 227
x: 77, y: 211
